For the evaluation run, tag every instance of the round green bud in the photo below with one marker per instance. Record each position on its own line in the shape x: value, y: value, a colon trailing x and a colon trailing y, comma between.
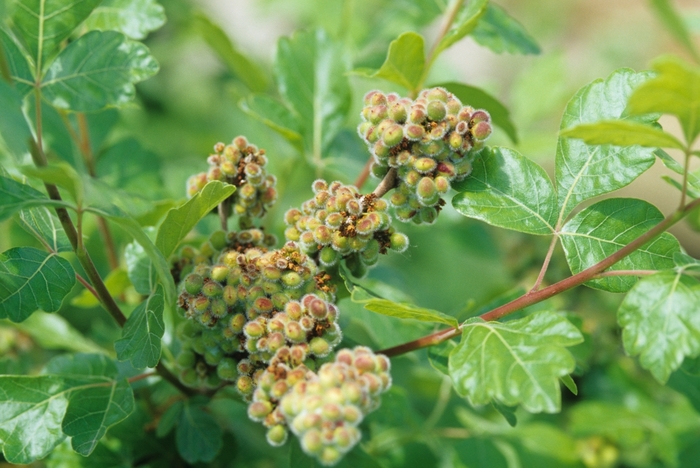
x: 226, y: 369
x: 436, y: 94
x: 428, y: 215
x: 185, y: 359
x: 453, y: 106
x: 212, y: 289
x: 455, y: 140
x: 187, y: 330
x: 436, y: 110
x: 218, y: 307
x: 378, y: 170
x: 398, y: 242
x: 414, y: 132
x: 374, y: 98
x: 322, y: 235
x: 294, y: 332
x: 427, y: 192
x: 412, y: 178
x: 328, y: 256
x: 292, y: 279
x: 442, y: 184
x: 380, y: 150
x: 193, y: 283
x: 200, y: 304
x: 218, y: 240
x: 219, y: 273
x: 330, y: 455
x: 377, y: 113
x: 276, y: 435
x: 393, y: 135
x: 259, y: 409
x: 189, y: 377
x: 245, y: 385
x: 319, y: 347
x: 254, y: 329
x: 424, y: 165
x: 237, y: 323
x: 311, y: 441
x: 433, y: 148
x: 213, y: 356
x: 229, y: 295
x: 397, y: 112
x: 463, y: 168
x: 480, y: 116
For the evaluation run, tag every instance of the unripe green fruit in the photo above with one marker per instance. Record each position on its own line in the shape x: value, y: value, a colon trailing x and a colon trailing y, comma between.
x: 393, y: 135
x: 189, y: 377
x: 226, y: 369
x: 245, y: 385
x: 213, y: 356
x: 193, y: 283
x: 328, y: 257
x: 398, y: 242
x: 481, y: 130
x: 187, y: 330
x: 294, y: 332
x: 428, y: 215
x: 436, y: 110
x: 237, y: 323
x: 185, y: 359
x: 212, y: 289
x: 319, y: 347
x: 425, y: 165
x: 414, y: 132
x: 292, y: 279
x: 380, y: 150
x: 276, y: 435
x: 427, y: 192
x: 218, y: 240
x: 200, y: 304
x: 218, y: 308
x: 439, y: 94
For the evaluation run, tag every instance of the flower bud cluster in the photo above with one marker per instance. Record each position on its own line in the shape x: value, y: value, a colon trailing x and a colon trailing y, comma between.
x: 243, y: 165
x: 323, y: 408
x: 340, y: 223
x: 431, y: 141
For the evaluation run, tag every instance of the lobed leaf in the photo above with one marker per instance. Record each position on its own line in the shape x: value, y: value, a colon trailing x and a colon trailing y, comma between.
x: 31, y: 280
x: 466, y: 21
x: 198, y: 436
x: 622, y: 133
x: 508, y: 190
x: 405, y: 61
x: 583, y: 171
x: 97, y: 70
x: 44, y: 225
x: 275, y: 115
x: 674, y: 90
x: 515, y: 362
x: 604, y: 228
x: 180, y: 221
x: 310, y: 70
x: 45, y: 24
x: 133, y: 18
x: 142, y: 333
x: 660, y: 320
x: 500, y: 32
x: 403, y: 311
x: 480, y: 99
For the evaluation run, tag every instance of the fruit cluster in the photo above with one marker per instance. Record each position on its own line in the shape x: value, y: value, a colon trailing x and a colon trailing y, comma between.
x: 431, y: 141
x: 322, y: 408
x: 340, y: 223
x: 243, y: 165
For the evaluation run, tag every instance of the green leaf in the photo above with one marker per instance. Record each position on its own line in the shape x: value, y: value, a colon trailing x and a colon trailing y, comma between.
x: 198, y: 436
x: 82, y: 402
x: 275, y: 115
x: 675, y: 24
x: 660, y: 320
x: 14, y: 130
x: 169, y: 419
x: 669, y: 162
x: 133, y: 18
x: 405, y: 61
x: 140, y: 268
x: 97, y: 70
x: 686, y: 380
x: 238, y: 64
x: 140, y: 342
x: 604, y: 228
x: 310, y: 71
x: 17, y: 62
x: 44, y: 225
x: 508, y: 190
x: 128, y: 166
x: 674, y: 90
x: 16, y: 196
x: 31, y: 280
x: 61, y: 174
x: 467, y: 19
x: 480, y: 99
x: 180, y: 221
x: 515, y: 362
x: 500, y: 32
x: 403, y: 311
x: 622, y: 133
x: 44, y: 24
x: 570, y: 384
x: 584, y: 171
x: 51, y: 331
x: 438, y: 356
x: 116, y: 281
x: 508, y: 413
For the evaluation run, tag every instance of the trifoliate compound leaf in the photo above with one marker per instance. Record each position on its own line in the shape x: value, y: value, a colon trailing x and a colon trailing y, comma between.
x: 660, y: 320
x: 140, y: 342
x: 133, y: 18
x: 198, y: 436
x: 674, y: 90
x: 508, y: 190
x: 604, y: 228
x: 311, y: 73
x: 97, y: 70
x: 31, y: 280
x: 622, y: 133
x: 500, y: 32
x: 44, y: 24
x: 515, y: 362
x: 44, y: 225
x: 583, y: 171
x: 180, y: 221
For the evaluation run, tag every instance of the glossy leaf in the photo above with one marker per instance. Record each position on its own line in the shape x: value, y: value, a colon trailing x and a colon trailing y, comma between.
x: 675, y: 166
x: 80, y: 398
x: 140, y: 342
x: 31, y: 280
x: 16, y: 196
x: 584, y: 171
x: 133, y: 18
x: 515, y: 362
x: 97, y: 70
x: 310, y: 70
x: 198, y: 436
x: 674, y: 90
x: 139, y: 268
x: 44, y: 224
x: 500, y: 32
x: 44, y: 24
x: 51, y: 331
x: 604, y: 228
x: 116, y: 282
x: 240, y: 65
x: 403, y: 311
x: 676, y: 25
x: 275, y: 115
x: 660, y: 320
x: 465, y: 22
x: 622, y: 133
x: 508, y: 190
x: 405, y: 61
x: 180, y: 221
x: 480, y: 99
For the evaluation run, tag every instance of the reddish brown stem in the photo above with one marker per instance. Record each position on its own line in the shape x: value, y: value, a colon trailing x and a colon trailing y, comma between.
x: 362, y: 178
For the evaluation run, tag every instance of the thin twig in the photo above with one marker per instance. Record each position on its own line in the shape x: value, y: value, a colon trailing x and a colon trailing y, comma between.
x: 545, y: 264
x: 362, y: 178
x: 607, y: 274
x: 386, y: 184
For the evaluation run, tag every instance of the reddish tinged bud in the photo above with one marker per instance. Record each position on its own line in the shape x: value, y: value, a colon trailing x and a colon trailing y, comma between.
x: 453, y: 106
x: 417, y: 115
x: 414, y: 132
x: 393, y: 135
x: 439, y: 94
x: 245, y: 385
x: 442, y: 184
x: 481, y: 130
x: 436, y: 110
x: 480, y: 116
x: 377, y: 113
x: 427, y: 192
x: 446, y: 169
x: 455, y: 140
x: 374, y: 97
x: 397, y: 112
x: 380, y: 150
x: 318, y: 309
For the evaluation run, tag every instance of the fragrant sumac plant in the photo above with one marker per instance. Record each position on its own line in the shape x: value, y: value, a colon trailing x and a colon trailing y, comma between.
x: 341, y: 257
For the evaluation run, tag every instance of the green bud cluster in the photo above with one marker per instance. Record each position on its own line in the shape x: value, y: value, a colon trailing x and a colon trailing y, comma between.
x: 322, y: 408
x: 431, y: 141
x: 243, y: 165
x: 340, y: 223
